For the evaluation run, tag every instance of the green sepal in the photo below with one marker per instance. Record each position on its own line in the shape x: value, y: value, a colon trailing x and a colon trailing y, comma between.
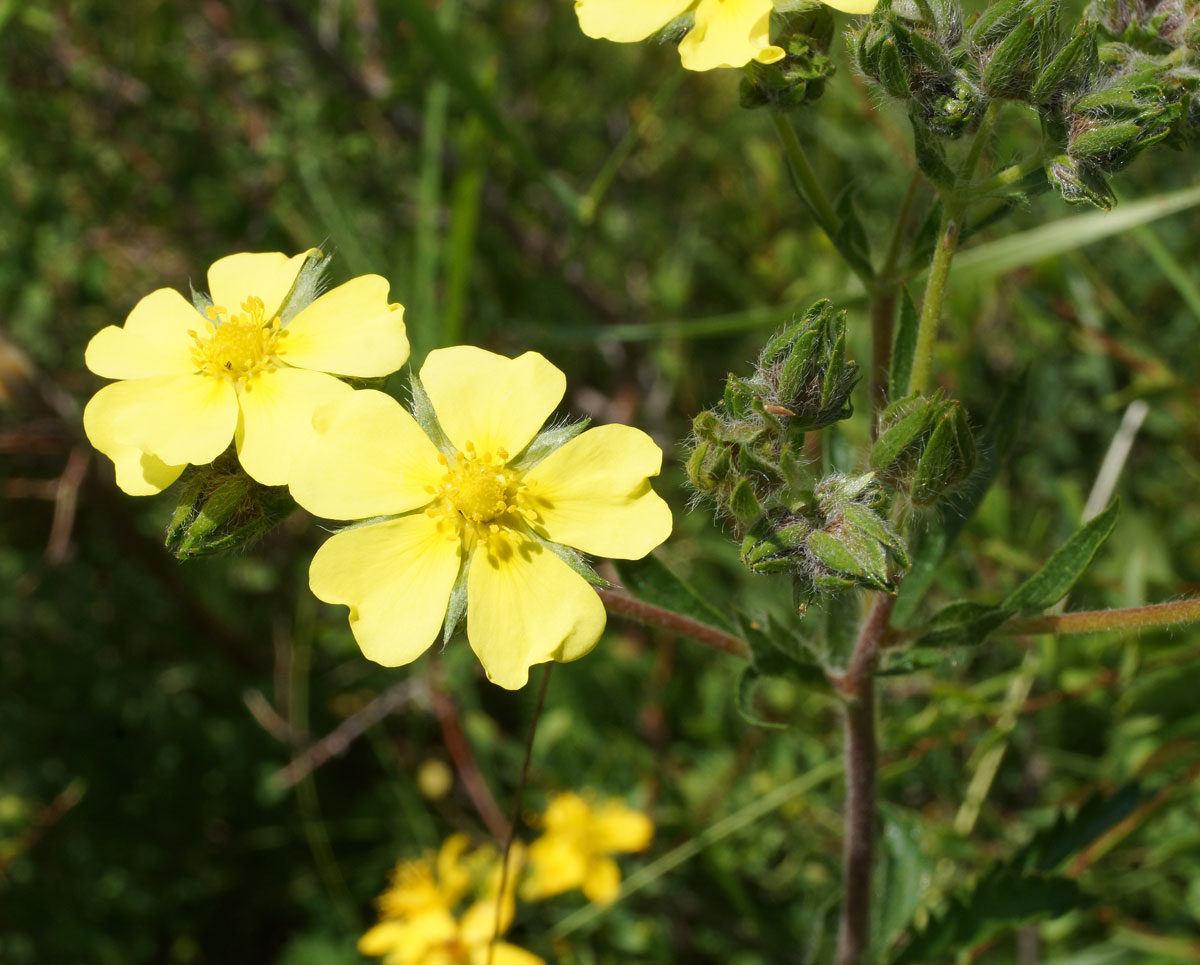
x: 743, y: 502
x: 1008, y: 70
x: 1068, y: 67
x: 574, y: 560
x: 422, y: 410
x: 456, y: 609
x: 853, y: 556
x: 1080, y: 183
x: 307, y: 286
x: 948, y: 459
x: 546, y: 442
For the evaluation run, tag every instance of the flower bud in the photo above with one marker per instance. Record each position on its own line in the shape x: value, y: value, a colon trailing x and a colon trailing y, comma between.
x: 799, y: 78
x: 925, y: 448
x: 1079, y: 183
x: 1068, y: 68
x: 221, y: 510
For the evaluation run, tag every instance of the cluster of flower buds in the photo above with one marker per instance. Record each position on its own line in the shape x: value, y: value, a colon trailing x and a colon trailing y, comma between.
x: 925, y: 448
x: 834, y: 541
x: 746, y: 457
x: 223, y: 510
x: 799, y: 78
x: 1120, y: 82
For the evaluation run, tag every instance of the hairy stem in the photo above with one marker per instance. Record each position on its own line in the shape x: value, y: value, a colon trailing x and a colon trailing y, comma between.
x: 935, y: 292
x: 861, y: 754
x: 1099, y: 621
x: 650, y: 615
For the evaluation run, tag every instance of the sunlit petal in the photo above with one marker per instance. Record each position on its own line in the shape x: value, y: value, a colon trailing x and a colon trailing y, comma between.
x: 178, y: 418
x: 141, y: 474
x: 853, y: 6
x: 615, y: 827
x: 526, y: 606
x: 626, y: 20
x: 396, y: 577
x: 492, y: 401
x: 602, y: 882
x: 729, y: 33
x: 276, y: 419
x: 594, y: 493
x: 269, y: 275
x: 351, y: 330
x: 367, y: 457
x: 153, y: 341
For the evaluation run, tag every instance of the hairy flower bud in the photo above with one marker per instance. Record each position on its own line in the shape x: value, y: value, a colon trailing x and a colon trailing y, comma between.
x: 833, y: 542
x: 925, y: 448
x: 221, y: 510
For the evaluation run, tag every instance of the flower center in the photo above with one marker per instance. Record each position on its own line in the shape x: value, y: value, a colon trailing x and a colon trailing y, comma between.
x: 237, y: 346
x: 477, y: 493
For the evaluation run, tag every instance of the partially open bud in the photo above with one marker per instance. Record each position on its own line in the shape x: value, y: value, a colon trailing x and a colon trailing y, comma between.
x: 925, y: 448
x: 799, y: 78
x: 221, y: 510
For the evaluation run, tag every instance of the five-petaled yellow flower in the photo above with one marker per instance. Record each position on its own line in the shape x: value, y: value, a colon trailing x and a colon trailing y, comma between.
x: 251, y: 370
x: 574, y: 850
x: 724, y: 33
x: 418, y: 924
x: 481, y: 507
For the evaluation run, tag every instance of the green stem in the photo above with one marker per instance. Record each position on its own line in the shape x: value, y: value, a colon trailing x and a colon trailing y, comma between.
x: 1007, y: 177
x: 810, y: 187
x: 954, y: 205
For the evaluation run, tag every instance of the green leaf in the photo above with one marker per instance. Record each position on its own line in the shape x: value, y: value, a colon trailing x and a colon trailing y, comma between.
x: 931, y: 156
x: 1003, y: 899
x: 963, y: 624
x: 1051, y: 847
x: 1064, y: 568
x: 851, y: 237
x: 651, y: 580
x: 744, y: 699
x: 907, y: 868
x: 775, y: 651
x: 898, y: 663
x: 904, y: 345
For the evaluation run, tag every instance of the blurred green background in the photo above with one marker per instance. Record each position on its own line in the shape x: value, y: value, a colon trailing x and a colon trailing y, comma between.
x: 524, y: 187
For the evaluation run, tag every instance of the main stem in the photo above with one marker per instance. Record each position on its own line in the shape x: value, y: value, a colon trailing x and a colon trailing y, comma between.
x: 862, y: 754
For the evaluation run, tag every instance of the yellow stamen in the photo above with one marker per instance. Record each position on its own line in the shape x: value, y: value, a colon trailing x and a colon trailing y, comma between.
x: 237, y: 346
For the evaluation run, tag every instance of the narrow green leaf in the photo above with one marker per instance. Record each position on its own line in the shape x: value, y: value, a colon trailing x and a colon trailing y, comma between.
x: 963, y: 624
x: 651, y: 580
x: 744, y: 699
x: 1064, y: 568
x: 904, y: 345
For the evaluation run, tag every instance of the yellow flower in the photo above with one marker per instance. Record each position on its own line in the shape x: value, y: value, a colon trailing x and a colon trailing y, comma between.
x: 724, y: 33
x: 428, y: 933
x: 428, y: 883
x: 251, y: 371
x: 479, y: 509
x: 574, y: 850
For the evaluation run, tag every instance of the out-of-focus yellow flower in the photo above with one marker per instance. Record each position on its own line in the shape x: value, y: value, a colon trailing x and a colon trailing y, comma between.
x: 480, y: 513
x: 250, y: 370
x: 724, y: 33
x: 429, y: 883
x: 429, y: 932
x: 574, y: 850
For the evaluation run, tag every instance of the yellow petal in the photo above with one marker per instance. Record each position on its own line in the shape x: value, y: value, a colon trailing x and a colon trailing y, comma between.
x: 504, y: 954
x: 269, y: 275
x: 556, y: 864
x: 594, y: 493
x: 729, y: 33
x: 367, y: 457
x: 626, y: 20
x: 179, y: 419
x: 615, y: 827
x: 602, y: 883
x: 567, y: 812
x: 154, y: 340
x: 396, y: 577
x: 276, y: 419
x: 140, y: 474
x: 492, y: 401
x: 526, y: 606
x: 853, y: 6
x: 478, y: 922
x: 351, y: 330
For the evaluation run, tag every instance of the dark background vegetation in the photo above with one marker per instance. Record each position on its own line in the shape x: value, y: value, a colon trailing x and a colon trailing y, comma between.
x: 146, y: 706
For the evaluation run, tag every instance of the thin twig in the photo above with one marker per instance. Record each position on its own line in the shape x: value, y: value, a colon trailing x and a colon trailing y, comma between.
x: 336, y: 742
x: 655, y: 616
x: 516, y: 811
x: 459, y: 749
